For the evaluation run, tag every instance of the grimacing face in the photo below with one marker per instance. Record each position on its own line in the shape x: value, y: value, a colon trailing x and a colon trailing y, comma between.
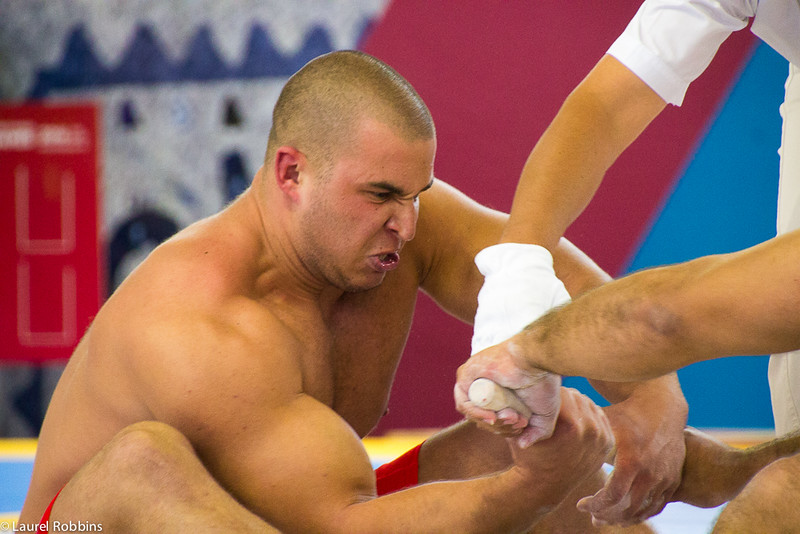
x: 357, y: 218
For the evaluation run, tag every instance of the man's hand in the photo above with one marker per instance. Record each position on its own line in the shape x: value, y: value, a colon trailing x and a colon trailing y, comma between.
x: 577, y: 448
x: 538, y: 390
x: 649, y: 458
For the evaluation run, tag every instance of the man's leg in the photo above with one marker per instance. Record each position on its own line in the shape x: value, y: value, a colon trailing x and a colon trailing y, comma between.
x: 148, y: 479
x: 714, y: 472
x: 768, y: 504
x: 465, y: 451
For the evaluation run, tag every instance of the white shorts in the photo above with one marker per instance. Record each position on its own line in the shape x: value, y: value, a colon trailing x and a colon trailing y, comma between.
x: 784, y: 369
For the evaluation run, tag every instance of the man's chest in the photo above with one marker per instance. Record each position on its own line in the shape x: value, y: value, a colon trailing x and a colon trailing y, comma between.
x: 368, y: 334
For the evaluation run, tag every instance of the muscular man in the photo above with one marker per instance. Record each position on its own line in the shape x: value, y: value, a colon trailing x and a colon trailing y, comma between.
x: 666, y: 46
x: 227, y: 381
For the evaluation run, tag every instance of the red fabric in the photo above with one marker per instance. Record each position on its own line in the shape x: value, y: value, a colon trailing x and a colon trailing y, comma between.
x: 403, y: 472
x: 43, y: 523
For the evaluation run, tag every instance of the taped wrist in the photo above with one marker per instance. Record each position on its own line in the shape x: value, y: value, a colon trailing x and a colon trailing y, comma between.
x: 519, y: 286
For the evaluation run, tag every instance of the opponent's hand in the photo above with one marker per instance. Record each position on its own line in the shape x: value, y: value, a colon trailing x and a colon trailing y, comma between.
x: 577, y: 448
x: 538, y: 390
x: 648, y: 463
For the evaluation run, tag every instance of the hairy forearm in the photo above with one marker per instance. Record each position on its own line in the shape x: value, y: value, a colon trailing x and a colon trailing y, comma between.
x: 659, y: 320
x: 614, y: 333
x: 580, y: 274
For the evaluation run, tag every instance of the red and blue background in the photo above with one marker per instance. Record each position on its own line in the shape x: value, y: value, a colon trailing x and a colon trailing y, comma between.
x: 702, y: 178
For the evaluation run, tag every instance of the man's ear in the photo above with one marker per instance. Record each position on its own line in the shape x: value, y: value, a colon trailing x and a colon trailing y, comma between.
x: 289, y: 163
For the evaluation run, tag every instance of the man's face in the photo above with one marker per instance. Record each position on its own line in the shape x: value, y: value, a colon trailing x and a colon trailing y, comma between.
x: 356, y: 219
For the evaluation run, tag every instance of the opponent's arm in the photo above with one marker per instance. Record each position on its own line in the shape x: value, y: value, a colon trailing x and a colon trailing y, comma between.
x: 604, y: 114
x: 656, y: 321
x: 453, y: 228
x: 289, y: 458
x: 715, y: 472
x: 647, y: 418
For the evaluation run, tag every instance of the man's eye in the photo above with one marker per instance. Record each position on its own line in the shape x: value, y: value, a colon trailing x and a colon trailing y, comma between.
x: 381, y: 195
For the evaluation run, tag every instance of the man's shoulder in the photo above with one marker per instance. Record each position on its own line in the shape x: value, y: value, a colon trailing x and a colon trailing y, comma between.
x: 194, y: 289
x: 189, y: 336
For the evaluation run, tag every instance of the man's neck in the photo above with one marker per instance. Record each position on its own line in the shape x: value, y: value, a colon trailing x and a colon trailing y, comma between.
x: 282, y: 273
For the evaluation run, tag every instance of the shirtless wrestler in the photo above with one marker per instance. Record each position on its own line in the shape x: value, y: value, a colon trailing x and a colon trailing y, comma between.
x: 258, y: 345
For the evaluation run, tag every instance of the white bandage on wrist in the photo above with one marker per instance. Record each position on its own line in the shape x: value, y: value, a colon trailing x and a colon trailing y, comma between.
x: 519, y: 286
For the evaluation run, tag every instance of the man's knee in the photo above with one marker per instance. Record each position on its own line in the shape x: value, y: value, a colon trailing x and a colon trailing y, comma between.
x: 147, y: 447
x: 768, y: 502
x: 776, y: 478
x: 150, y: 437
x: 147, y: 450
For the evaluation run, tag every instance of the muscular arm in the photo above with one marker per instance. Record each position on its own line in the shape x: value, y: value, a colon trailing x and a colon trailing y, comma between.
x: 289, y: 458
x: 453, y: 228
x: 650, y: 448
x: 659, y: 320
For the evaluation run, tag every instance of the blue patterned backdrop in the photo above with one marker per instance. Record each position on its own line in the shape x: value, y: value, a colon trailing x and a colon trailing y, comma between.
x: 185, y: 89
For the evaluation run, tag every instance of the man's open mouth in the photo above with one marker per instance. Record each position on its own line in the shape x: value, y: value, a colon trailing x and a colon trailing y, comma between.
x: 390, y: 259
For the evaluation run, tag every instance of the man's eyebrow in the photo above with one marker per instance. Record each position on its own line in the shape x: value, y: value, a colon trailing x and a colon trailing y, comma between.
x: 393, y: 189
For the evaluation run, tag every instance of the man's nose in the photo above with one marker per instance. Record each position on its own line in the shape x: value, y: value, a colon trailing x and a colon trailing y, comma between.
x: 403, y: 221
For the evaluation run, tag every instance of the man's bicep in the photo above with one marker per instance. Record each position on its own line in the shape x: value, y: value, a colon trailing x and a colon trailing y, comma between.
x: 296, y: 464
x: 240, y: 398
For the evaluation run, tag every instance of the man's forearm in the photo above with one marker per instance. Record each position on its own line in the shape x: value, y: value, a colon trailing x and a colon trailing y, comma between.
x: 617, y: 332
x: 596, y: 123
x: 504, y: 502
x: 659, y: 320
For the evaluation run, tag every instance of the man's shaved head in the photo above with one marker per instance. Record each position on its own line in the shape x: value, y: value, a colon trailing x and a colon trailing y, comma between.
x: 322, y: 103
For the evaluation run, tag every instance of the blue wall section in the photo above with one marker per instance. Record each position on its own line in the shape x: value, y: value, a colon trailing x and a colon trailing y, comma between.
x: 726, y: 201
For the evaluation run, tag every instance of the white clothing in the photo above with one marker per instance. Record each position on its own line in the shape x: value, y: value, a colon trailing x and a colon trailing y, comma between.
x: 668, y: 44
x: 784, y: 369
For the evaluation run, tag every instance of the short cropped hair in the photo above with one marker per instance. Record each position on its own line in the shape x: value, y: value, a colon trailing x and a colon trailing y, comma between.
x: 321, y: 104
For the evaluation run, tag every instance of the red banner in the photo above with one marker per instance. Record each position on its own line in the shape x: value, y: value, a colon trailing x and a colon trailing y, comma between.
x: 50, y: 276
